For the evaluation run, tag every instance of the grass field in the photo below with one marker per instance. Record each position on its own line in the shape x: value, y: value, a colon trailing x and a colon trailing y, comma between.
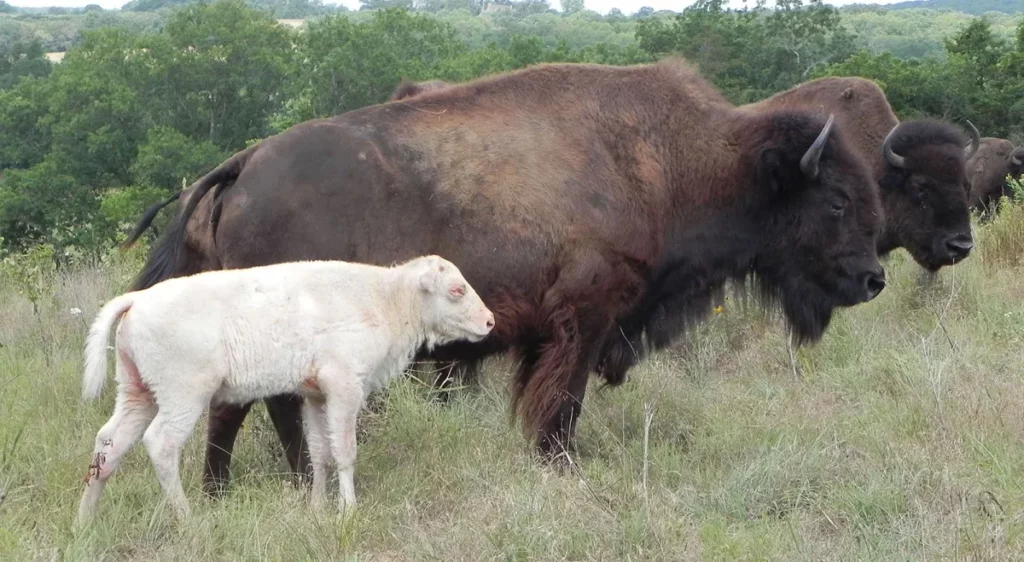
x: 899, y: 437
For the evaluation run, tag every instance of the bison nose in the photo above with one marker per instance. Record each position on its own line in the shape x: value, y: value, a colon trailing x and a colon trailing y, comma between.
x: 873, y: 282
x: 959, y: 246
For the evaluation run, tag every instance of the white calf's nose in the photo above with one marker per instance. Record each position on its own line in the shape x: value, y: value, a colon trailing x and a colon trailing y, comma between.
x: 490, y: 320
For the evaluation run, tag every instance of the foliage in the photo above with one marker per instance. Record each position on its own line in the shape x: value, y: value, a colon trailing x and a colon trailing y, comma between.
x: 980, y: 79
x: 40, y: 204
x: 976, y: 7
x: 121, y: 206
x: 167, y: 158
x: 32, y: 272
x: 24, y: 138
x: 22, y: 59
x: 230, y: 65
x: 1016, y: 186
x: 751, y: 53
x: 348, y: 65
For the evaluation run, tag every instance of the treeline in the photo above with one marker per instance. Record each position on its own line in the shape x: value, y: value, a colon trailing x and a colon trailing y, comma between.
x: 905, y: 33
x: 131, y: 115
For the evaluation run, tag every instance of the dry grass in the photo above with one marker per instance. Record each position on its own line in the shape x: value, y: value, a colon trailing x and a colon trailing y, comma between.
x: 901, y: 437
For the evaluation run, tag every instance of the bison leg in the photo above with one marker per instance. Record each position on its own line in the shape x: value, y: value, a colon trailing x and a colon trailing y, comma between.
x: 579, y: 310
x: 225, y: 421
x: 557, y: 437
x: 556, y: 434
x: 285, y: 412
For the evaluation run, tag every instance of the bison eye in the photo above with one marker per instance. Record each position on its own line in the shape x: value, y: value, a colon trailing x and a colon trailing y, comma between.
x: 838, y: 209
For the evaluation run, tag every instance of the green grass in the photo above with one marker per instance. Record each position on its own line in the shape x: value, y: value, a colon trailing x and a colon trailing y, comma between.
x: 899, y: 437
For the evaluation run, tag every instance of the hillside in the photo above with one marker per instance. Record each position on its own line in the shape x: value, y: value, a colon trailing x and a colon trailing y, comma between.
x: 973, y: 7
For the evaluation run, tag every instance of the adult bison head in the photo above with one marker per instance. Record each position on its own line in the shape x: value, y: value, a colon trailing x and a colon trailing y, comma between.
x: 988, y: 170
x: 819, y: 217
x: 925, y: 190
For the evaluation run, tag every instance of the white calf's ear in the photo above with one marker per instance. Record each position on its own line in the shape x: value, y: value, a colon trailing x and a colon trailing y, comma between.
x: 427, y: 279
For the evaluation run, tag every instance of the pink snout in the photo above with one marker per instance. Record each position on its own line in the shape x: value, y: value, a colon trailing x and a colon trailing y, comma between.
x: 485, y: 322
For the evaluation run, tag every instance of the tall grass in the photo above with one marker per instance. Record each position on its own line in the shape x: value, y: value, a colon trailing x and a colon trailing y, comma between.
x: 899, y: 437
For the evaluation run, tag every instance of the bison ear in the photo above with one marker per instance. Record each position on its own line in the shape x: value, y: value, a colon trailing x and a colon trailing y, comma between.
x: 776, y: 175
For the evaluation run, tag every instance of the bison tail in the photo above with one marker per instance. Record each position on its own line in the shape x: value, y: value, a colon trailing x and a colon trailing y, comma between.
x: 147, y: 220
x: 164, y: 259
x: 95, y: 375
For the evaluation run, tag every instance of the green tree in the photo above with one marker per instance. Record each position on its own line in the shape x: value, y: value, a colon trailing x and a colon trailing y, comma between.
x: 230, y: 67
x: 348, y: 65
x: 979, y: 48
x: 24, y: 137
x: 572, y: 6
x: 22, y: 59
x: 104, y: 97
x: 43, y: 204
x: 751, y: 54
x: 385, y: 4
x: 167, y: 157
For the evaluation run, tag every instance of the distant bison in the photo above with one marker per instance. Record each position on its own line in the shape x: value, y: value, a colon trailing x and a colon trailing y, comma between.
x: 407, y: 89
x: 571, y: 196
x: 919, y: 166
x: 987, y: 170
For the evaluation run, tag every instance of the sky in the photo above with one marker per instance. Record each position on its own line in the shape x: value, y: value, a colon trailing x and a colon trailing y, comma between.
x: 602, y: 6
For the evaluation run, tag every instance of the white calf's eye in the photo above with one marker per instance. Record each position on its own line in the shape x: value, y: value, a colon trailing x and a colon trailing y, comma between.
x: 457, y: 290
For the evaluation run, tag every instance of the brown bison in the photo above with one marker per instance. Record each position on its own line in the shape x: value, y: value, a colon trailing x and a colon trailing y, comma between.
x: 571, y: 196
x: 919, y: 166
x: 987, y: 170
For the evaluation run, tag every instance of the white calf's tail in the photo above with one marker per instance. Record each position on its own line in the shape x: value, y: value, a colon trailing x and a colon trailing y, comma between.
x: 96, y: 345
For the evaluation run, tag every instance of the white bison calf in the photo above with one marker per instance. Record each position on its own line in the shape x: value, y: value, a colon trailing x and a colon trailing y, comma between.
x: 331, y: 331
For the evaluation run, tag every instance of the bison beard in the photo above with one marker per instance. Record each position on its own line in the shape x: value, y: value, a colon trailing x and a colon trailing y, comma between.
x: 573, y: 197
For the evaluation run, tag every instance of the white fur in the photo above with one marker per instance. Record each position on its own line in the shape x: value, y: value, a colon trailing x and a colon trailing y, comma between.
x: 331, y: 331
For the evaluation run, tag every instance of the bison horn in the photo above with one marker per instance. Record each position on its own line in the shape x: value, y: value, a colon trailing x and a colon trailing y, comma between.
x: 975, y: 140
x: 895, y: 160
x: 809, y: 162
x: 1015, y: 157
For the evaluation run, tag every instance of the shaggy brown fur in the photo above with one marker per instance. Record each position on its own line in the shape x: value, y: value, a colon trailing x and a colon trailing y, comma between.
x: 987, y: 170
x: 571, y: 196
x: 924, y: 201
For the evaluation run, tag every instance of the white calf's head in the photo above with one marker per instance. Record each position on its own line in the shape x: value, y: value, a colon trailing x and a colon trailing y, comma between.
x: 451, y: 308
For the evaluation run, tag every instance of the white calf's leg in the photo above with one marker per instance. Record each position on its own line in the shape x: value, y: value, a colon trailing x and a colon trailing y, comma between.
x: 133, y: 412
x: 314, y: 418
x: 343, y: 407
x: 164, y: 441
